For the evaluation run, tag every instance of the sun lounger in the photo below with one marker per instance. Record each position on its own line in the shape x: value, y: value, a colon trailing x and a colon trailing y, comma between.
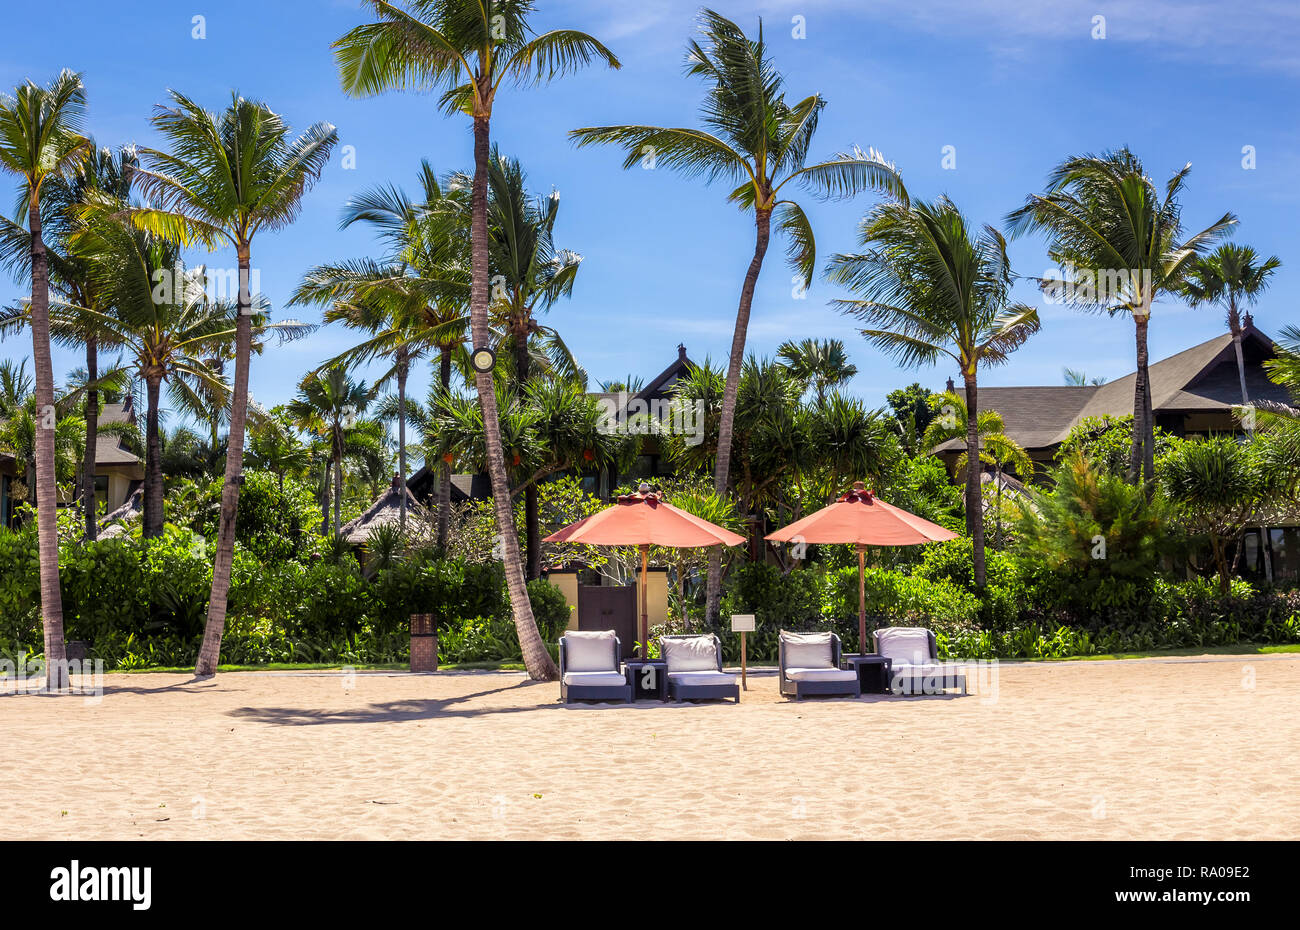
x: 916, y: 666
x: 589, y: 669
x: 810, y: 664
x: 694, y: 668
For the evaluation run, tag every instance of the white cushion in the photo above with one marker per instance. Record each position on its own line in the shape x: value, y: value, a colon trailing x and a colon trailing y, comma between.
x: 904, y: 644
x: 601, y: 679
x: 590, y: 651
x: 690, y: 654
x: 808, y: 650
x: 702, y: 678
x: 820, y: 674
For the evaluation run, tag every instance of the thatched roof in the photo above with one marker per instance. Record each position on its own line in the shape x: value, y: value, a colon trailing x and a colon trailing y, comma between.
x: 386, y: 511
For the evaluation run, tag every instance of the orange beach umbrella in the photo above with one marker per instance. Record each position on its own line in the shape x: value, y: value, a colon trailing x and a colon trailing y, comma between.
x: 644, y: 520
x: 861, y: 519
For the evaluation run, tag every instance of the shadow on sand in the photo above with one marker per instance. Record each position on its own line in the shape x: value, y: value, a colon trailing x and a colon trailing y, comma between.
x: 390, y: 711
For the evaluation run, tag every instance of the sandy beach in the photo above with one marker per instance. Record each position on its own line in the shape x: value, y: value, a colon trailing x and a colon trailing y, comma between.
x: 1178, y: 748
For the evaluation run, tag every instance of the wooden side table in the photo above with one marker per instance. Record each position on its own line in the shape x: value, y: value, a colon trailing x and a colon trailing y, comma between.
x: 649, y: 678
x: 873, y: 671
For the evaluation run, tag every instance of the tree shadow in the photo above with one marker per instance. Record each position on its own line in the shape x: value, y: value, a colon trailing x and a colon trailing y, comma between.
x: 389, y: 711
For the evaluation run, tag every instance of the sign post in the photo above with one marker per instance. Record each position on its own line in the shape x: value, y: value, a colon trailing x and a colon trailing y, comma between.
x: 742, y: 624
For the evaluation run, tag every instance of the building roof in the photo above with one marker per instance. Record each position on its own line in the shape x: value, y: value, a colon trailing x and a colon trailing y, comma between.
x: 109, y: 450
x: 1201, y: 379
x: 385, y: 511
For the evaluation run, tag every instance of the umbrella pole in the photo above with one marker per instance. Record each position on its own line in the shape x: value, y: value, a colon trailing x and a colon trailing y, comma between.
x: 645, y: 625
x: 862, y: 599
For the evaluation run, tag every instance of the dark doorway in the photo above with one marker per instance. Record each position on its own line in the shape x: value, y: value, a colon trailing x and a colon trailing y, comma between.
x: 602, y: 607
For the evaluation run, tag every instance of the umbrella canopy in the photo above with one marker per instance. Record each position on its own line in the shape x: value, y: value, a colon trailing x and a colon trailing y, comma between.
x: 645, y: 520
x: 861, y: 519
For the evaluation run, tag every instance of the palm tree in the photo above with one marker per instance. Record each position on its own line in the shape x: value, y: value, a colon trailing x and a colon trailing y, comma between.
x: 200, y: 198
x: 413, y: 302
x: 274, y: 445
x: 929, y: 289
x: 18, y: 426
x: 996, y: 448
x: 1074, y: 377
x: 1107, y: 222
x: 755, y: 139
x: 529, y: 273
x: 173, y: 335
x: 469, y: 49
x: 330, y: 405
x: 39, y: 140
x: 104, y: 177
x: 820, y: 364
x: 1230, y: 276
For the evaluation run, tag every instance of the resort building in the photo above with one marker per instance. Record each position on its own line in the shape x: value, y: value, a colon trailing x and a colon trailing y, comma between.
x: 118, y: 470
x: 1193, y: 395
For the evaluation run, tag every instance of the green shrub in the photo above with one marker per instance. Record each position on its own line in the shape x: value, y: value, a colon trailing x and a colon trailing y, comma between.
x: 273, y: 523
x: 550, y: 609
x: 20, y: 592
x: 894, y: 599
x: 448, y: 588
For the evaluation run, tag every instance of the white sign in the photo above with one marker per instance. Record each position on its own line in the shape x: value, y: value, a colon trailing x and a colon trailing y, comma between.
x: 742, y: 623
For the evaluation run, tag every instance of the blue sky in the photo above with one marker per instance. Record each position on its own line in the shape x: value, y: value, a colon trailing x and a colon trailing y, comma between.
x: 1014, y: 86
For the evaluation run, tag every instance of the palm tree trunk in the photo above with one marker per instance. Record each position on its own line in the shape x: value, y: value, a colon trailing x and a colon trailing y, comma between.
x: 444, y: 478
x: 215, y: 627
x: 47, y: 518
x: 89, y: 504
x: 336, y: 467
x: 1141, y: 405
x: 1234, y: 326
x: 974, y: 504
x: 403, y: 367
x: 153, y: 477
x: 532, y: 518
x: 722, y: 475
x: 536, y: 659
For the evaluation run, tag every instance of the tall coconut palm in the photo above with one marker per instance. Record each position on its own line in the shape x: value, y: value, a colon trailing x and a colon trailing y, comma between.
x: 40, y: 140
x: 1120, y: 244
x: 529, y: 274
x: 930, y: 289
x: 754, y: 138
x: 469, y: 49
x: 330, y: 405
x: 1230, y: 277
x: 172, y: 333
x: 414, y: 302
x: 819, y: 364
x: 228, y: 177
x: 275, y: 446
x: 104, y: 177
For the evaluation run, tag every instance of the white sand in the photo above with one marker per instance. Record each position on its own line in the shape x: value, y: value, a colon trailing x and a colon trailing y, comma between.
x: 1143, y: 749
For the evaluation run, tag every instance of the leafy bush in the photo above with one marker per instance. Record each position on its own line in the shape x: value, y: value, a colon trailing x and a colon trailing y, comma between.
x: 448, y: 588
x: 20, y: 591
x: 1100, y: 537
x: 271, y: 521
x: 893, y: 598
x: 550, y: 609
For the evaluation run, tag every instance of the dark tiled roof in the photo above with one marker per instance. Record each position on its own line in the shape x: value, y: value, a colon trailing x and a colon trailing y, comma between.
x: 1200, y: 379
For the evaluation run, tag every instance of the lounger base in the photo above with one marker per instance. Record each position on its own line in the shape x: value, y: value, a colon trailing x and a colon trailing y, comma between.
x: 571, y: 693
x: 800, y: 688
x: 678, y: 692
x: 927, y: 684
